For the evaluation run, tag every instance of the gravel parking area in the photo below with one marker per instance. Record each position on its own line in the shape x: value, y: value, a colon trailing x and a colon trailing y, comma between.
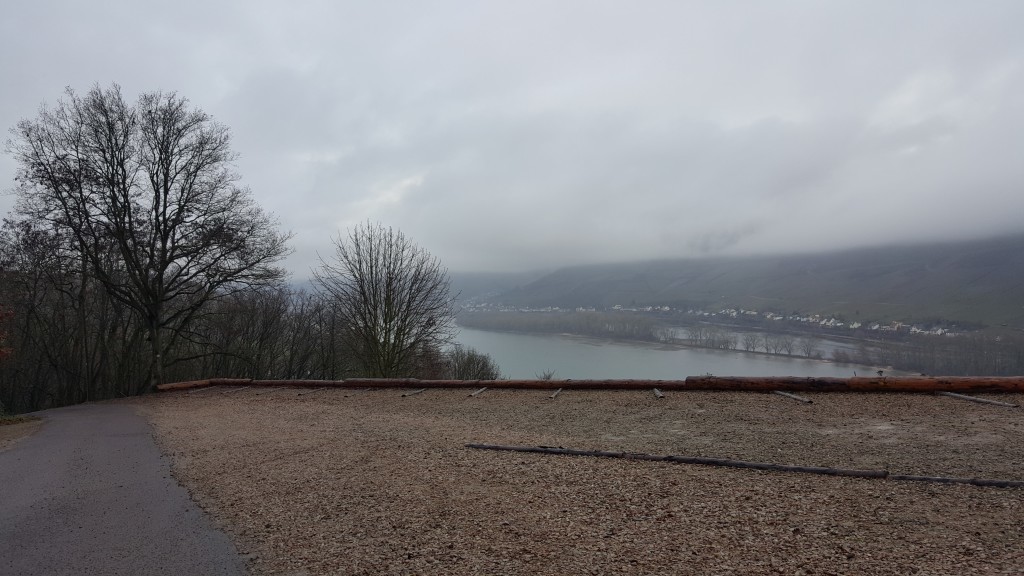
x: 370, y: 482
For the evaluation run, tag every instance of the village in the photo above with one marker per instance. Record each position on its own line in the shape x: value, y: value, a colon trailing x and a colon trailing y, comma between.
x: 831, y: 323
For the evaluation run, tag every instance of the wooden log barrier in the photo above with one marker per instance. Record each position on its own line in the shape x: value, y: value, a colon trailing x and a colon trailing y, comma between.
x: 962, y: 384
x: 860, y: 384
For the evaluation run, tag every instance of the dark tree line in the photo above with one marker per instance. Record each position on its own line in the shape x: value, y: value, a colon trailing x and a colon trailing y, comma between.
x: 70, y: 342
x: 964, y: 355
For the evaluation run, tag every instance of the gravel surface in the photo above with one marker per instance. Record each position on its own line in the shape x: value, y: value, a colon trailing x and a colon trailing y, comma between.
x: 369, y: 482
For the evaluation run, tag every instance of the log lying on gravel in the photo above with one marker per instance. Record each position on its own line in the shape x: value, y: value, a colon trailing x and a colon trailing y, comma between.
x: 978, y: 400
x: 793, y: 397
x: 721, y: 383
x: 686, y: 460
x: 854, y: 473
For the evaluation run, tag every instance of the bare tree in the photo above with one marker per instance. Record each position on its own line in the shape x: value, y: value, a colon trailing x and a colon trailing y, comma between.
x: 808, y: 347
x: 786, y: 344
x: 697, y: 334
x: 469, y: 364
x: 392, y: 298
x: 152, y: 183
x: 751, y: 341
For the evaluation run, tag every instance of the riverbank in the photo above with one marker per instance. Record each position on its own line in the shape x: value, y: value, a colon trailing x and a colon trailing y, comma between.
x: 907, y: 349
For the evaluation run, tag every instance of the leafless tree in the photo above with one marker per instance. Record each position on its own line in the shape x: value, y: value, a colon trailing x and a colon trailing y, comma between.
x: 70, y: 341
x: 469, y: 364
x: 786, y: 344
x: 751, y: 341
x: 392, y: 298
x: 152, y: 183
x: 808, y: 347
x: 697, y: 334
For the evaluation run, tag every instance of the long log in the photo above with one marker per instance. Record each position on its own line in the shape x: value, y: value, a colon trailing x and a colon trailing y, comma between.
x: 687, y: 460
x: 995, y: 483
x: 727, y: 463
x: 978, y: 400
x: 793, y: 397
x: 1013, y: 384
x: 191, y: 384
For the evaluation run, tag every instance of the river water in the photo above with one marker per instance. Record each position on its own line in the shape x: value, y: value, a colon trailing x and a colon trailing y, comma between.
x: 529, y: 355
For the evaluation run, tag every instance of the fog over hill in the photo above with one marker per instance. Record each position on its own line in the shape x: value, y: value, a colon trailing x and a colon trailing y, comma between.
x: 973, y: 282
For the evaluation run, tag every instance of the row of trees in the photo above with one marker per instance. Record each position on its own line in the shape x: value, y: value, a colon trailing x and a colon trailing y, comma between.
x: 707, y: 336
x: 135, y: 257
x: 965, y: 355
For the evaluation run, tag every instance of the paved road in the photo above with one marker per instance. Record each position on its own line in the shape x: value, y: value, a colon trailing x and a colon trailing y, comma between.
x: 90, y: 493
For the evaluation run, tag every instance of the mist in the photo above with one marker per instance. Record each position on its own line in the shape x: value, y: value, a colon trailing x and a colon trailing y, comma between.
x: 537, y: 135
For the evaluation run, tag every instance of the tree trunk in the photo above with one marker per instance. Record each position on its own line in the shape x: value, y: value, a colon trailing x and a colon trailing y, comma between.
x: 156, y: 369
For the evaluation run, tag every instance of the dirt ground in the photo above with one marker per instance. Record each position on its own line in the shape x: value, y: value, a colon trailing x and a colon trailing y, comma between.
x: 15, y: 429
x: 370, y: 482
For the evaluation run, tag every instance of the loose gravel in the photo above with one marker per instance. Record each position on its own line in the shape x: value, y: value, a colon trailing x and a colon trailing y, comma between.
x: 371, y: 482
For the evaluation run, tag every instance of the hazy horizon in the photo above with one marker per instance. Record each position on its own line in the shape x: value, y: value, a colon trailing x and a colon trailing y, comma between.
x: 908, y: 244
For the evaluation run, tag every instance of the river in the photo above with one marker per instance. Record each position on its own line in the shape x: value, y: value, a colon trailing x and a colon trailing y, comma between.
x: 529, y: 355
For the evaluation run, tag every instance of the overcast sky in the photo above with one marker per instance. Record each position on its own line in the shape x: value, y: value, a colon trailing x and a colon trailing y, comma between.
x: 525, y: 134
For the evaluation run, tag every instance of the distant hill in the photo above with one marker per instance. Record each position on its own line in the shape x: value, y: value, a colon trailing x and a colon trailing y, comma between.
x: 973, y: 282
x: 489, y: 285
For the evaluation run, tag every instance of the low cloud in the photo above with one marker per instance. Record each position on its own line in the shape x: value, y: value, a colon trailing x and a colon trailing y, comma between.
x: 508, y: 137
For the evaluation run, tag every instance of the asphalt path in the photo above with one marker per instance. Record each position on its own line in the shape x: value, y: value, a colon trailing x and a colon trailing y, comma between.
x: 90, y: 493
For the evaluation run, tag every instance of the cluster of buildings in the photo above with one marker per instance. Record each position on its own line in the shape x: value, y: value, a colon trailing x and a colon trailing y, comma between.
x: 826, y: 321
x: 829, y: 322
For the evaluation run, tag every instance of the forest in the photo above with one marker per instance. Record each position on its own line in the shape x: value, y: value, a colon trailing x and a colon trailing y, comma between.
x: 134, y: 257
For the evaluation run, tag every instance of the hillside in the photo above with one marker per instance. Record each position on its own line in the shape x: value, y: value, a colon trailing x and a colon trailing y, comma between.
x: 472, y: 286
x: 972, y: 282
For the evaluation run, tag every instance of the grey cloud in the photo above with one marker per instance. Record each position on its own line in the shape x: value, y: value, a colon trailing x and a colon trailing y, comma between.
x: 536, y: 134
